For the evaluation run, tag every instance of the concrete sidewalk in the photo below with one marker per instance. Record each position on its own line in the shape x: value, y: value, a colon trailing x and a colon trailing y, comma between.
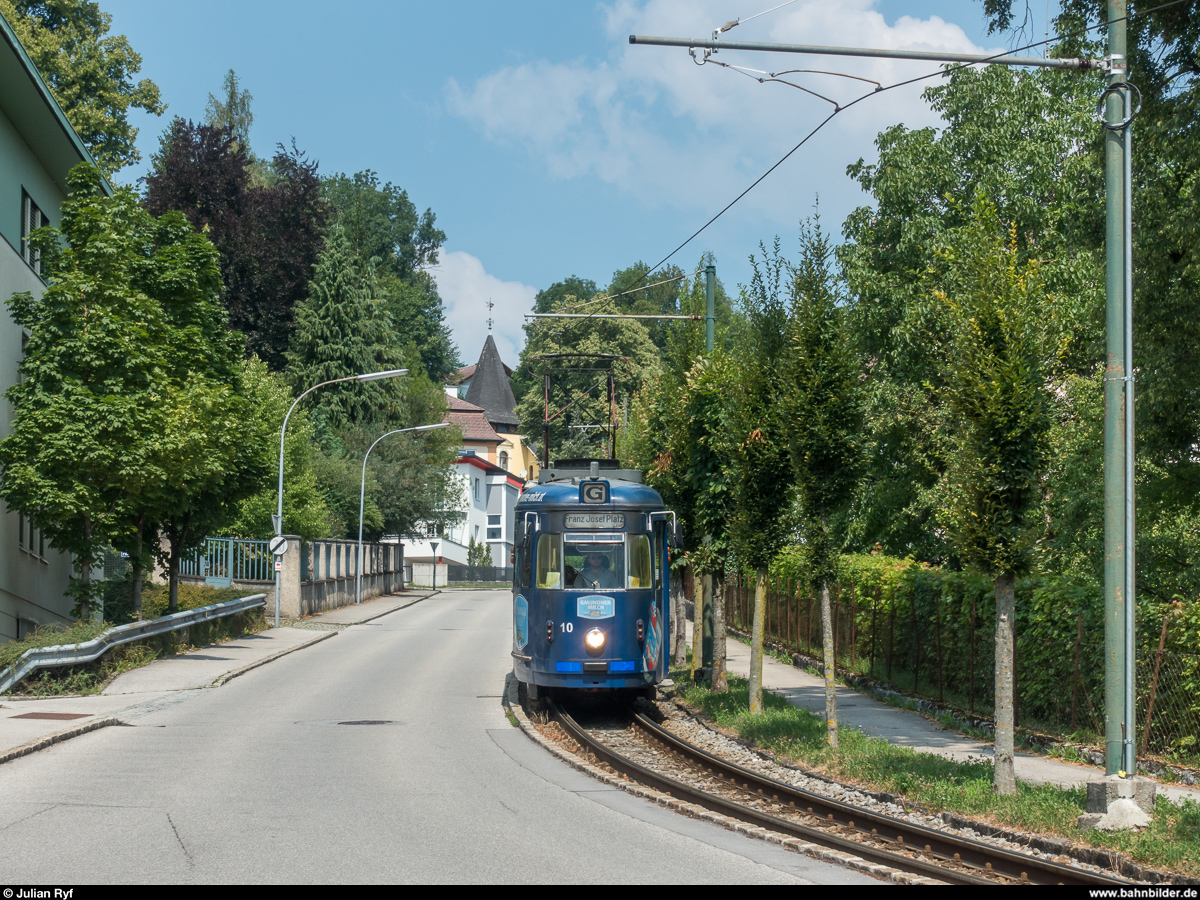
x: 911, y: 729
x: 28, y: 725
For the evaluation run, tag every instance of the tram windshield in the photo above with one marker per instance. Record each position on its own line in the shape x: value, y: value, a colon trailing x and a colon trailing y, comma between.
x: 596, y: 562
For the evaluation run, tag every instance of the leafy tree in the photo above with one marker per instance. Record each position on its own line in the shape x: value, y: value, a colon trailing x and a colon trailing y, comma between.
x: 760, y: 469
x: 580, y: 398
x: 217, y: 460
x: 638, y: 293
x: 705, y: 387
x: 824, y: 388
x: 89, y: 72
x: 1020, y: 138
x: 419, y: 317
x: 1161, y: 42
x: 128, y: 398
x: 381, y: 223
x: 415, y: 472
x: 410, y: 477
x: 710, y: 462
x: 216, y: 439
x: 305, y: 510
x: 1162, y: 46
x: 410, y: 480
x: 268, y: 236
x: 547, y: 300
x: 342, y: 329
x: 676, y: 435
x: 555, y: 296
x: 1000, y: 355
x: 202, y: 172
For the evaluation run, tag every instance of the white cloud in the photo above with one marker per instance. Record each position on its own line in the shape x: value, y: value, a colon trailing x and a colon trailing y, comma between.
x: 656, y: 125
x: 466, y: 287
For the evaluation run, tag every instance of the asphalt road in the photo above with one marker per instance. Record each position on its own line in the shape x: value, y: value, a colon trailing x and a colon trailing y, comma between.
x: 257, y: 781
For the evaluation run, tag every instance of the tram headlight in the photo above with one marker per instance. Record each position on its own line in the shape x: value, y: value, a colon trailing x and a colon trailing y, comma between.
x: 594, y: 641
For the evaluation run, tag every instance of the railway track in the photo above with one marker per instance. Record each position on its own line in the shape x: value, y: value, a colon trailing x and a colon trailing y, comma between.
x: 687, y: 773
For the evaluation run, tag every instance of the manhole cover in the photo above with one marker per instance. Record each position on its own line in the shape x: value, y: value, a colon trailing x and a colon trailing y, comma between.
x: 50, y: 715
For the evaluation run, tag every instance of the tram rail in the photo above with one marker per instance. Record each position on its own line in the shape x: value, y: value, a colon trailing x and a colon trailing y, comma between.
x: 836, y: 825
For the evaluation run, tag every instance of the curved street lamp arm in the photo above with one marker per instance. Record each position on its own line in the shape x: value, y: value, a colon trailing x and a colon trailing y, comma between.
x: 362, y: 496
x: 283, y: 434
x: 369, y: 376
x: 278, y: 523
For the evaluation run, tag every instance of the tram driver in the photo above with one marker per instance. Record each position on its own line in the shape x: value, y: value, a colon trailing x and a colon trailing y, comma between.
x: 597, y: 573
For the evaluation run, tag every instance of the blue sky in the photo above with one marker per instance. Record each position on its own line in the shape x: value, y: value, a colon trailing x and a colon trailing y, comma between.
x: 545, y: 143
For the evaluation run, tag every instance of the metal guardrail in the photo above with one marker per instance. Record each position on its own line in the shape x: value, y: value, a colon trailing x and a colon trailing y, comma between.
x: 75, y: 654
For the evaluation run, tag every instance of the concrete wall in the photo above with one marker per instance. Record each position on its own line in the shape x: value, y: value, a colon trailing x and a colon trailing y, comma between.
x: 423, y: 574
x: 318, y: 596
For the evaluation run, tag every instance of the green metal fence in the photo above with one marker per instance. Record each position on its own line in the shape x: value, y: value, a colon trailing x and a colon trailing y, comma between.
x: 933, y: 638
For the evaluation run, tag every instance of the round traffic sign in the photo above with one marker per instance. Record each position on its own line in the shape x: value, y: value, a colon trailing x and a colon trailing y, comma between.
x: 279, y: 545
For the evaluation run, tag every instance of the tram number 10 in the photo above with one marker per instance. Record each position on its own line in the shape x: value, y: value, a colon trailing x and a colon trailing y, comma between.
x: 567, y: 627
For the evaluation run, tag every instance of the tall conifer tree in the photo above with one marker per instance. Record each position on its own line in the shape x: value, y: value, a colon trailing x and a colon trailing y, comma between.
x: 342, y: 328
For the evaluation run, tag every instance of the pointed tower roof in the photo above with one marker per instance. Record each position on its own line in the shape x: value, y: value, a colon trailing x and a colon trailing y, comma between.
x: 490, y: 389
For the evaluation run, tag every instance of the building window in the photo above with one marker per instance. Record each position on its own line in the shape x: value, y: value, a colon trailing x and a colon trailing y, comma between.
x: 504, y: 460
x: 431, y: 530
x: 476, y: 488
x: 29, y: 538
x: 493, y: 534
x: 31, y: 218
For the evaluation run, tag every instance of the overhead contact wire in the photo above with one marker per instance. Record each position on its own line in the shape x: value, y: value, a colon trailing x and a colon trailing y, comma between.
x: 878, y: 90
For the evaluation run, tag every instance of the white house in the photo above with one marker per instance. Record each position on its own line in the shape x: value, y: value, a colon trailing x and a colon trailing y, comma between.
x: 489, y: 497
x: 494, y: 464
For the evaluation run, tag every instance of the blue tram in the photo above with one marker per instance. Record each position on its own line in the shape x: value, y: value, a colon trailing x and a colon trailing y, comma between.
x: 591, y: 585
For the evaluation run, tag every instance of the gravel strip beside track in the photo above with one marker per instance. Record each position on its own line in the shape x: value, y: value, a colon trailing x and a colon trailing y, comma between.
x: 848, y: 824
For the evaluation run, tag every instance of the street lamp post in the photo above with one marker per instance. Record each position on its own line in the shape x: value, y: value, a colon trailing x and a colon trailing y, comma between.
x: 277, y: 519
x: 362, y: 493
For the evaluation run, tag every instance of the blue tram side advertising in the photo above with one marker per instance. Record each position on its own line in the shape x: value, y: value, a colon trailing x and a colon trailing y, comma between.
x: 591, y: 588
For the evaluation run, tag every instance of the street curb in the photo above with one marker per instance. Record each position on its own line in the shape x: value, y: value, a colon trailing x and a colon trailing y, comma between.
x: 229, y: 676
x: 394, y: 609
x: 50, y: 740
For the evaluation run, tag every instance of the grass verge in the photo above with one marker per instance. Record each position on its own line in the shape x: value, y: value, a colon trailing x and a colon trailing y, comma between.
x: 935, y: 784
x: 91, y: 678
